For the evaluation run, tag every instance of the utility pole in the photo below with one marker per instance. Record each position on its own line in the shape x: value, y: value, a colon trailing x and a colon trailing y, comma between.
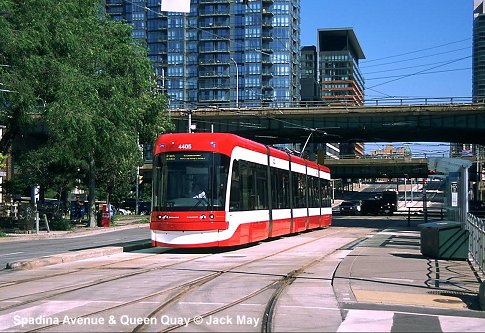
x: 137, y: 187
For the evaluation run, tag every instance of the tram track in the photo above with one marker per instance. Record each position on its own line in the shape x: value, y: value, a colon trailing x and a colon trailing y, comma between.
x: 269, y: 312
x: 142, y: 327
x: 183, y: 290
x: 32, y: 279
x: 85, y: 285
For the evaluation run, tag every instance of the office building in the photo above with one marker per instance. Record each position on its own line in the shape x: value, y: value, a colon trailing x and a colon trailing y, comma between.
x: 339, y: 52
x: 224, y: 53
x: 476, y: 152
x: 310, y: 90
x: 338, y: 77
x: 479, y: 50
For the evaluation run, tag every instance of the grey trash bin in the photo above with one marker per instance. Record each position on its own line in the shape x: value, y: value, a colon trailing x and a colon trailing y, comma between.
x: 444, y: 240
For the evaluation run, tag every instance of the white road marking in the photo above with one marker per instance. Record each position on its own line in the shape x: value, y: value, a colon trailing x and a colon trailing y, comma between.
x: 10, y: 254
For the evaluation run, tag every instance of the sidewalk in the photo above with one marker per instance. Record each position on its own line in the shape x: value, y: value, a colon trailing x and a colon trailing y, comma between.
x: 79, y: 230
x: 389, y: 270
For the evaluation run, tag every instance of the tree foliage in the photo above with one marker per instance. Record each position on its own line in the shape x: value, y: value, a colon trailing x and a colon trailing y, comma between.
x: 69, y: 67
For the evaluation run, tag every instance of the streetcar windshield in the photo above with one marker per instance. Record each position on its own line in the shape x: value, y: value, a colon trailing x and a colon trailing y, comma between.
x: 189, y: 181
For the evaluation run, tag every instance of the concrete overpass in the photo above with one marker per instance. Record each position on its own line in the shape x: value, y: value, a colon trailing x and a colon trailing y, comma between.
x: 460, y: 123
x: 378, y: 168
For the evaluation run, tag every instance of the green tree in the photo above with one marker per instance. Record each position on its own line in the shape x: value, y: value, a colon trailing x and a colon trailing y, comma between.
x: 69, y: 67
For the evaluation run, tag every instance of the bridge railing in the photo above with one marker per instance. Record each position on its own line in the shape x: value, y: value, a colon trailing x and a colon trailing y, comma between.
x: 476, y: 229
x: 419, y: 101
x: 181, y: 105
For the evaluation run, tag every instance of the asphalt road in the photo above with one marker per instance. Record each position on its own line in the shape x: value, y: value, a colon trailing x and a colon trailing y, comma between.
x: 25, y: 249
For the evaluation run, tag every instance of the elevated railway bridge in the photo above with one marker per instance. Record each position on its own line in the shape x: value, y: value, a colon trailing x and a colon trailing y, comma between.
x: 456, y: 120
x: 429, y: 121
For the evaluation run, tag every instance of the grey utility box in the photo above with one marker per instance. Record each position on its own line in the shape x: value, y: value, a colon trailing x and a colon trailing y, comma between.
x: 444, y: 240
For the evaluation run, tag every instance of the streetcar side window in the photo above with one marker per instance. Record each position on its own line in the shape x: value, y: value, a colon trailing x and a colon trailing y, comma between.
x: 299, y: 190
x: 247, y: 183
x: 248, y: 186
x: 313, y: 195
x: 280, y: 188
x: 325, y: 193
x: 235, y: 197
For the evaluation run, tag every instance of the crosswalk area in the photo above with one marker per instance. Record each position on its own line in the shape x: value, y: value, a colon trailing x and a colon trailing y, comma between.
x: 394, y: 321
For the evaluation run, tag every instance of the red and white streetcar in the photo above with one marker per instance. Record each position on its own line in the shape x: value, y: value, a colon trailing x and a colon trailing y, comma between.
x: 219, y: 189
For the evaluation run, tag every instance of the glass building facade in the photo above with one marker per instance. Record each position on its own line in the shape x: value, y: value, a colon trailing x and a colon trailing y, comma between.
x: 479, y: 51
x: 333, y: 69
x: 339, y: 74
x: 223, y: 53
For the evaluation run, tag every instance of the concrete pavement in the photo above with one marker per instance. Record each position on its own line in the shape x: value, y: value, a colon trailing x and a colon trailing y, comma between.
x: 383, y: 271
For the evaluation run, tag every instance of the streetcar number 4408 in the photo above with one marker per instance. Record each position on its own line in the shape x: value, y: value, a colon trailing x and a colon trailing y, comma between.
x: 185, y: 146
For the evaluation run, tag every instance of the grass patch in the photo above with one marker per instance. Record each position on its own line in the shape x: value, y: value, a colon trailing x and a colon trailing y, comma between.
x: 60, y: 224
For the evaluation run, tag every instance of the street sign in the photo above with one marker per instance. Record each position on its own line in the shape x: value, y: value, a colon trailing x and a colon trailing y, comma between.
x: 454, y: 194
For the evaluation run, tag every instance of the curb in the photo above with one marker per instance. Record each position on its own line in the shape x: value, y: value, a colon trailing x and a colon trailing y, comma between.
x: 63, y: 258
x: 139, y: 245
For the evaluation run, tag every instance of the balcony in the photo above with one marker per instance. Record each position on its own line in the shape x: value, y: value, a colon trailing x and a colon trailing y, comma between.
x: 203, y: 2
x: 213, y: 62
x: 213, y: 51
x: 213, y: 74
x: 210, y: 14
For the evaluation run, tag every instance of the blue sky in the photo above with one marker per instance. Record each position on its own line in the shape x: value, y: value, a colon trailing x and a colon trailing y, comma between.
x: 386, y: 28
x: 400, y: 39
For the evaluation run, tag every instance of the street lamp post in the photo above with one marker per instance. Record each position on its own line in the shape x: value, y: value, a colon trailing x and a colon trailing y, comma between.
x: 237, y: 83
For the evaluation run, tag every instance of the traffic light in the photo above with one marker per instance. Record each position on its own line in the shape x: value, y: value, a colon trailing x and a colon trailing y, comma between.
x: 140, y: 179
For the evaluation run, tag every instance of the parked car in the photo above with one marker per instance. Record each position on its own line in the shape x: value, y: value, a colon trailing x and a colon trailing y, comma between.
x: 144, y: 207
x: 348, y: 208
x: 123, y: 211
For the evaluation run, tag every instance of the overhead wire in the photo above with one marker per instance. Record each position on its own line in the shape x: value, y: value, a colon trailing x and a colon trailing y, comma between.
x: 434, y: 72
x: 420, y: 50
x: 394, y: 78
x: 419, y: 72
x: 407, y: 67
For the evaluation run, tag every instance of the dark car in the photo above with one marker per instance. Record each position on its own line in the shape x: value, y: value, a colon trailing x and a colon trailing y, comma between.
x: 144, y: 207
x: 371, y: 206
x: 358, y: 204
x: 348, y: 208
x: 389, y: 201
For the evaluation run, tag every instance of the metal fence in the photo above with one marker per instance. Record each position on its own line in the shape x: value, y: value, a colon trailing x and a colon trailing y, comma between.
x: 476, y: 228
